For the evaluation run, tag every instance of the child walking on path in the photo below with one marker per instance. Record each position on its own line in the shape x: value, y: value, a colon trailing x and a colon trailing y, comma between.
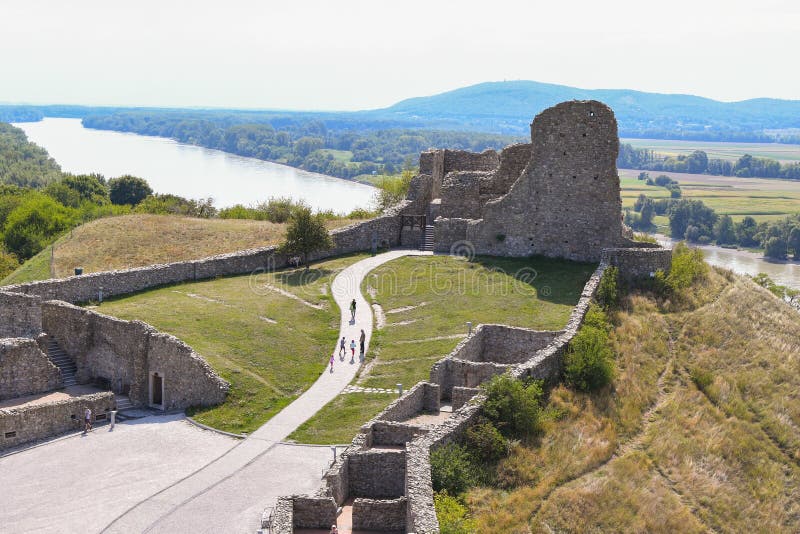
x: 353, y: 347
x: 332, y: 360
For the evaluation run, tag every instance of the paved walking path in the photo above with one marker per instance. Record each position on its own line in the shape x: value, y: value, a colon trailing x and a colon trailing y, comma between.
x: 229, y: 493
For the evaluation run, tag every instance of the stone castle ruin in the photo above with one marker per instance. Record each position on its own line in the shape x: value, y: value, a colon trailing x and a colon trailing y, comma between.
x: 557, y: 196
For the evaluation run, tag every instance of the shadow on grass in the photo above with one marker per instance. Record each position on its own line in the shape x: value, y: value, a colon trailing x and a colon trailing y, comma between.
x: 554, y: 280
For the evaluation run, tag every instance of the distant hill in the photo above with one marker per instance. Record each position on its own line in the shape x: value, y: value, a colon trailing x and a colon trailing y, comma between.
x: 498, y: 108
x: 508, y: 107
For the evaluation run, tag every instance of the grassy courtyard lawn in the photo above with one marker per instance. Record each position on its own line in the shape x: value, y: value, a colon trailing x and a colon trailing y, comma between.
x: 270, y: 347
x: 427, y: 301
x: 341, y: 418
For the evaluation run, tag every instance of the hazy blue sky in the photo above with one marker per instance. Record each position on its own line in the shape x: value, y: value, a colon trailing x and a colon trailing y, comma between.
x: 347, y: 54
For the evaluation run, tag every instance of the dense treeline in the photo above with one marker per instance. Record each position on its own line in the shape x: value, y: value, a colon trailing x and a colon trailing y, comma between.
x: 695, y: 222
x: 698, y: 162
x: 308, y: 144
x: 23, y: 163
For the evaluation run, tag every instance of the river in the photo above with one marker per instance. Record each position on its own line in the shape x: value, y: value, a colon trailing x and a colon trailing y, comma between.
x: 745, y: 262
x: 190, y: 171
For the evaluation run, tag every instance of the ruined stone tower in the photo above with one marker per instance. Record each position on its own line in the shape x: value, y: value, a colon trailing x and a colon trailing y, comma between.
x: 557, y: 196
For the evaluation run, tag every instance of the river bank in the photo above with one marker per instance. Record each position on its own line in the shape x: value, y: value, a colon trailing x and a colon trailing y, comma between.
x: 784, y: 272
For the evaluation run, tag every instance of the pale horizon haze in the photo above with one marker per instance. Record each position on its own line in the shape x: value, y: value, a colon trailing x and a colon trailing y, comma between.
x: 349, y: 55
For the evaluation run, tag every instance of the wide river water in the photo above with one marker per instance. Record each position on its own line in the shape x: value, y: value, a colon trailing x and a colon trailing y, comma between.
x: 196, y: 172
x: 190, y: 171
x: 745, y: 262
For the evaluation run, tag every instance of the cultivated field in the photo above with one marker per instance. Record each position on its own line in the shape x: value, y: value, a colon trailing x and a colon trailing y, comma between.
x: 138, y: 240
x: 426, y: 302
x: 720, y: 150
x: 763, y: 199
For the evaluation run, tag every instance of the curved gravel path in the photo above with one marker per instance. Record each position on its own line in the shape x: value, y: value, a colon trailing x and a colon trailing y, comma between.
x: 229, y: 493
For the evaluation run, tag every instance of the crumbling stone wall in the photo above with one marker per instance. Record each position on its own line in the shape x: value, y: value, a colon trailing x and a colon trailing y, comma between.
x: 513, y: 160
x: 40, y: 421
x: 25, y: 369
x: 379, y: 515
x: 640, y: 262
x: 377, y: 473
x: 124, y: 353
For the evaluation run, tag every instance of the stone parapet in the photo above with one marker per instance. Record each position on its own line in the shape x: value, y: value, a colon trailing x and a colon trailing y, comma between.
x: 34, y: 422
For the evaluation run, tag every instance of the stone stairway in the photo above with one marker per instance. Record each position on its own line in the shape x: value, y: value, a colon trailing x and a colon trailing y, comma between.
x: 63, y: 361
x: 428, y: 238
x: 123, y: 402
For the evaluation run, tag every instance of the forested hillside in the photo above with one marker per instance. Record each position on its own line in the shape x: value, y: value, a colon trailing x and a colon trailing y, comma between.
x: 23, y: 163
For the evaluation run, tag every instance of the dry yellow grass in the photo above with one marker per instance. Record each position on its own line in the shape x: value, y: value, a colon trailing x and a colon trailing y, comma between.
x: 655, y: 453
x: 138, y: 240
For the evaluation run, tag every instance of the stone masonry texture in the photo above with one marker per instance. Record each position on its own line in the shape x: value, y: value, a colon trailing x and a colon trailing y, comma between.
x: 25, y: 369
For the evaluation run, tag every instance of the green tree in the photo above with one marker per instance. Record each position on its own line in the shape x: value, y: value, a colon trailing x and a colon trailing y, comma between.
x: 746, y: 231
x: 8, y: 263
x: 794, y: 241
x: 724, y: 231
x: 775, y: 247
x: 128, y: 190
x: 306, y: 234
x: 34, y: 224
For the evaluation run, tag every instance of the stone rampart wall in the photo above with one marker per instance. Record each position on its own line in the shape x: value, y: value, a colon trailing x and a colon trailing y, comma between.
x: 124, y: 353
x: 379, y: 515
x: 313, y: 512
x: 423, y: 396
x: 390, y: 433
x: 639, y: 262
x: 460, y: 396
x: 25, y: 369
x: 513, y: 160
x: 461, y: 194
x: 20, y: 315
x: 377, y: 473
x: 40, y: 421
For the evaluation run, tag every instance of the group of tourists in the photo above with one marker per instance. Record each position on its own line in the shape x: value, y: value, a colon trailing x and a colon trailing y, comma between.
x: 343, y: 341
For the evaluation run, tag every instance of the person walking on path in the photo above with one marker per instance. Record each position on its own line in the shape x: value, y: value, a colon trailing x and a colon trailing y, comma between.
x: 332, y: 360
x: 353, y: 348
x: 363, y: 341
x: 342, y: 348
x: 87, y: 420
x: 353, y: 311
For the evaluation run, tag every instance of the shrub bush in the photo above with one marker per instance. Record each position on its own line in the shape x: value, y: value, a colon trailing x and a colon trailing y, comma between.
x: 453, y: 516
x: 589, y: 363
x: 608, y: 289
x: 453, y: 469
x: 513, y: 407
x: 701, y: 378
x: 487, y: 442
x: 688, y: 266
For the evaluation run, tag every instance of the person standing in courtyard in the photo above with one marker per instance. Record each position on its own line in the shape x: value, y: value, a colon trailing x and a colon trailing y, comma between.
x: 87, y: 420
x: 363, y: 341
x: 353, y: 311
